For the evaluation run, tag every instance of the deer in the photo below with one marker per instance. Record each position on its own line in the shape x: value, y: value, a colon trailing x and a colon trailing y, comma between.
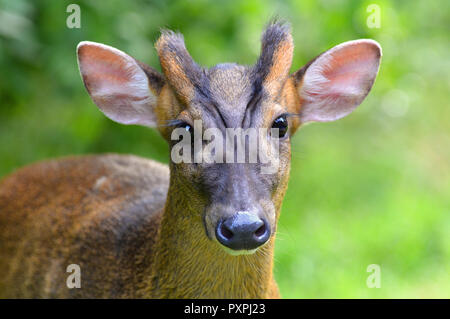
x: 141, y: 229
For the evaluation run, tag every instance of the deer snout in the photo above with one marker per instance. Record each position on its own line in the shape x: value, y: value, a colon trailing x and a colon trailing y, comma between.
x: 243, y: 231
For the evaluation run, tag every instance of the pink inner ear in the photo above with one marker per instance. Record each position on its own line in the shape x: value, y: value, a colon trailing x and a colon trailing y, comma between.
x: 107, y: 71
x: 337, y: 82
x: 349, y: 69
x: 102, y: 66
x: 116, y: 83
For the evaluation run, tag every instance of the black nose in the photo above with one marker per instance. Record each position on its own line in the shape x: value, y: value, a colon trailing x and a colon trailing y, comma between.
x: 243, y: 231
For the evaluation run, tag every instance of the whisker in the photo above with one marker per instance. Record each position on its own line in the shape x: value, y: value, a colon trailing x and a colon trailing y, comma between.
x: 174, y: 122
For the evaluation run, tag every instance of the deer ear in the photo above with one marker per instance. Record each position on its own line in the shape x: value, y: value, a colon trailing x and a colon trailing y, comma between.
x: 124, y: 89
x: 333, y: 84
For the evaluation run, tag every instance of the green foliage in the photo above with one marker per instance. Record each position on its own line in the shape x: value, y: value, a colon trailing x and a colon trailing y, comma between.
x: 373, y: 188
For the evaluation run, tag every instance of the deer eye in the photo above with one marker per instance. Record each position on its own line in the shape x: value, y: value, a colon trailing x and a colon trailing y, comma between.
x: 281, y: 124
x: 186, y: 126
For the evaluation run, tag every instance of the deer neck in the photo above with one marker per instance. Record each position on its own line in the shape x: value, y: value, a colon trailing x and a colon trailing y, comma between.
x: 188, y: 264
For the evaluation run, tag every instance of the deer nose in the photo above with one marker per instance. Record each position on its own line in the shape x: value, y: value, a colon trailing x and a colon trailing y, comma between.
x: 243, y: 231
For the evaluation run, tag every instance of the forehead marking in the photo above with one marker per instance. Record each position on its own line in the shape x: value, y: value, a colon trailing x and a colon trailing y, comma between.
x: 228, y: 91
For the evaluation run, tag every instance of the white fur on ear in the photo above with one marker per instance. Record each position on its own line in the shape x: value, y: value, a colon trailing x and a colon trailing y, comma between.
x: 338, y: 80
x: 117, y: 84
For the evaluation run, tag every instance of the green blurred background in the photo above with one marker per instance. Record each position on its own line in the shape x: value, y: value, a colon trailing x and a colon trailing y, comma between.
x: 373, y: 188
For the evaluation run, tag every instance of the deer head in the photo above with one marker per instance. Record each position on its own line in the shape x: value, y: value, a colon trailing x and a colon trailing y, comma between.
x: 237, y: 205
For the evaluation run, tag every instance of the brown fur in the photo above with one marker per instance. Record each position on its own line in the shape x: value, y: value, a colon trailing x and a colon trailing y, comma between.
x: 282, y: 60
x: 103, y: 213
x: 178, y: 67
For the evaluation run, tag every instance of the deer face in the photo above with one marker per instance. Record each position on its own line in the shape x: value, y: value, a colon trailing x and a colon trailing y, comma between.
x: 241, y: 200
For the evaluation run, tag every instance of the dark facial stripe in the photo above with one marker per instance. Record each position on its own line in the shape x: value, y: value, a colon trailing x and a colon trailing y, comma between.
x: 252, y: 104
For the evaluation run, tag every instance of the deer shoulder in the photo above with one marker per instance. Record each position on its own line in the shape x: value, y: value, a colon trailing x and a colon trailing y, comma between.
x: 100, y: 212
